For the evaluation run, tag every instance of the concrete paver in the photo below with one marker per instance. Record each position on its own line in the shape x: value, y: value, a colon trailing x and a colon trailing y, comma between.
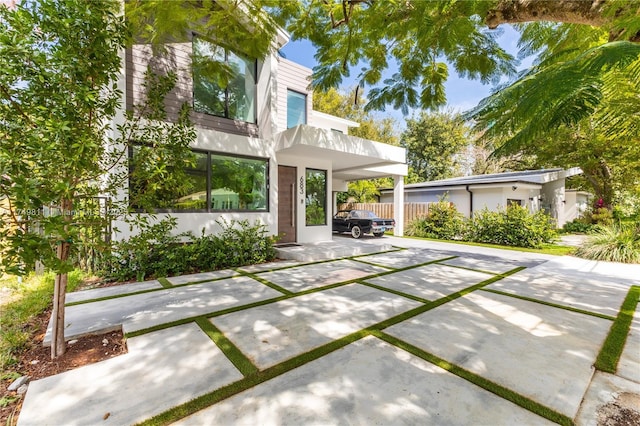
x: 607, y: 389
x: 365, y: 383
x: 484, y: 263
x: 321, y: 274
x: 145, y: 310
x: 162, y: 369
x: 584, y: 284
x: 405, y: 258
x: 272, y: 333
x: 202, y: 276
x: 97, y: 293
x: 430, y: 282
x: 261, y: 267
x: 629, y: 364
x: 541, y: 352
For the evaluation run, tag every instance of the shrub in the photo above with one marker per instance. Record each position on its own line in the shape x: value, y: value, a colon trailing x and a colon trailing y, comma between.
x: 616, y: 243
x: 578, y: 226
x: 601, y: 216
x: 442, y: 221
x: 246, y: 244
x: 156, y: 252
x: 514, y: 226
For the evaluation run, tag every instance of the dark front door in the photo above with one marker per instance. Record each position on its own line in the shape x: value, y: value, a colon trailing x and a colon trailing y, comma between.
x: 287, y: 204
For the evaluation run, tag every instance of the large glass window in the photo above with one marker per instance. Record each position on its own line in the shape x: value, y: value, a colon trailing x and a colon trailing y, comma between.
x: 296, y: 108
x: 215, y: 183
x: 224, y: 83
x: 316, y: 199
x: 191, y: 194
x: 238, y: 183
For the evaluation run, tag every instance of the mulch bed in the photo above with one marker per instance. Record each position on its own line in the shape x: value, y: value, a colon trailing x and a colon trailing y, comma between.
x: 35, y: 362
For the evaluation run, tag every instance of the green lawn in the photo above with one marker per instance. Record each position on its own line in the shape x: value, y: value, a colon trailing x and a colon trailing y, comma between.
x: 552, y: 249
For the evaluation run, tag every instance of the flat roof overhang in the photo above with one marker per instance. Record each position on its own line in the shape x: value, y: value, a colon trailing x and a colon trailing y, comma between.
x: 440, y: 188
x: 352, y: 158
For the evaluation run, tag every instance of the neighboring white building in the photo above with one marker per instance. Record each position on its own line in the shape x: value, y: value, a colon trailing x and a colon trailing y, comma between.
x: 534, y: 189
x: 263, y: 153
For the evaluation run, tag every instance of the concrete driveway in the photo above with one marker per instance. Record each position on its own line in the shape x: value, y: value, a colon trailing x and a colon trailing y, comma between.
x: 415, y: 333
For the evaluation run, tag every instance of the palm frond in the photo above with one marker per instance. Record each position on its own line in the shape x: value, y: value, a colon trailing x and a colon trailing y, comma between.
x: 562, y: 93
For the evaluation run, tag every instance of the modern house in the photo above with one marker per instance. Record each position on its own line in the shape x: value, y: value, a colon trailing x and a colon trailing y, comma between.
x: 262, y: 152
x: 534, y: 189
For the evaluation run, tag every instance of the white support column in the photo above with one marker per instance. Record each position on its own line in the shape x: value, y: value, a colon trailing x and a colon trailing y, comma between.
x: 334, y: 202
x: 398, y: 204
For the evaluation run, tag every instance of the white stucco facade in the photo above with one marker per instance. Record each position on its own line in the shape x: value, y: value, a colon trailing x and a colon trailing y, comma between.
x: 321, y: 144
x: 535, y: 190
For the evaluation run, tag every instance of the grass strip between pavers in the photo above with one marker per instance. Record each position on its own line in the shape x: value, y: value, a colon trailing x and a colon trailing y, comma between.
x: 165, y: 283
x: 232, y: 309
x: 399, y: 293
x: 208, y: 399
x: 466, y: 268
x: 115, y: 296
x: 613, y: 346
x: 402, y: 317
x: 211, y: 398
x: 377, y: 265
x: 480, y: 381
x: 553, y: 305
x: 268, y: 283
x: 438, y: 302
x: 187, y: 320
x: 149, y: 290
x: 235, y: 355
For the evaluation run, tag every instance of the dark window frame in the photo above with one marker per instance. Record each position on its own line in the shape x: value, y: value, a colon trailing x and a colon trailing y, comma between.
x: 226, y: 90
x: 246, y: 157
x: 208, y: 173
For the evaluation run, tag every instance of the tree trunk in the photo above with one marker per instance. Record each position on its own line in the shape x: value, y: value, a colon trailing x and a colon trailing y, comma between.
x: 58, y: 344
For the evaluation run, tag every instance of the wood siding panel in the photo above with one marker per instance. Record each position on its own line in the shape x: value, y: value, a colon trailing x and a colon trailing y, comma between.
x: 178, y: 60
x: 385, y: 210
x: 294, y: 77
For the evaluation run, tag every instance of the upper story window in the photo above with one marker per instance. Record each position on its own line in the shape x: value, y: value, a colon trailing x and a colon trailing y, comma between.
x: 296, y: 108
x: 224, y: 83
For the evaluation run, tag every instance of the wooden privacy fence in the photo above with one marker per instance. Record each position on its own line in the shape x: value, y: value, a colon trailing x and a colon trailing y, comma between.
x: 385, y: 210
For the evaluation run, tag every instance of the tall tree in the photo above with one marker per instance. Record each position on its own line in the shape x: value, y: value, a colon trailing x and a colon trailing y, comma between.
x: 419, y: 35
x: 58, y: 61
x: 588, y: 67
x: 575, y: 107
x: 436, y: 144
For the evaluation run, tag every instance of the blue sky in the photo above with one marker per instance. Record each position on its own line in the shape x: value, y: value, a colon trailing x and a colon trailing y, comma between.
x: 462, y: 94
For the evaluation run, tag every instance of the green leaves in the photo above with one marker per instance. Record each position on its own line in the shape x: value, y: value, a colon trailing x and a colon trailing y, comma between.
x: 58, y: 61
x: 433, y: 142
x: 417, y: 36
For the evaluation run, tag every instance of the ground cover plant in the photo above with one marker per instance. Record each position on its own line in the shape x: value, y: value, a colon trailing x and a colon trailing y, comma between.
x: 615, y: 243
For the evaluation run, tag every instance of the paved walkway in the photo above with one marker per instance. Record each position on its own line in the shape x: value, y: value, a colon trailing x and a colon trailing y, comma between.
x: 416, y: 333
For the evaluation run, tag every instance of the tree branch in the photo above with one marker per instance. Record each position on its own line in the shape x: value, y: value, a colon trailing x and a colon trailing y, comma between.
x: 16, y: 105
x: 586, y: 12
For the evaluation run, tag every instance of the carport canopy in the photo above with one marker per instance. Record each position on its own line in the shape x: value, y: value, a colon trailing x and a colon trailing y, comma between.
x: 352, y: 158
